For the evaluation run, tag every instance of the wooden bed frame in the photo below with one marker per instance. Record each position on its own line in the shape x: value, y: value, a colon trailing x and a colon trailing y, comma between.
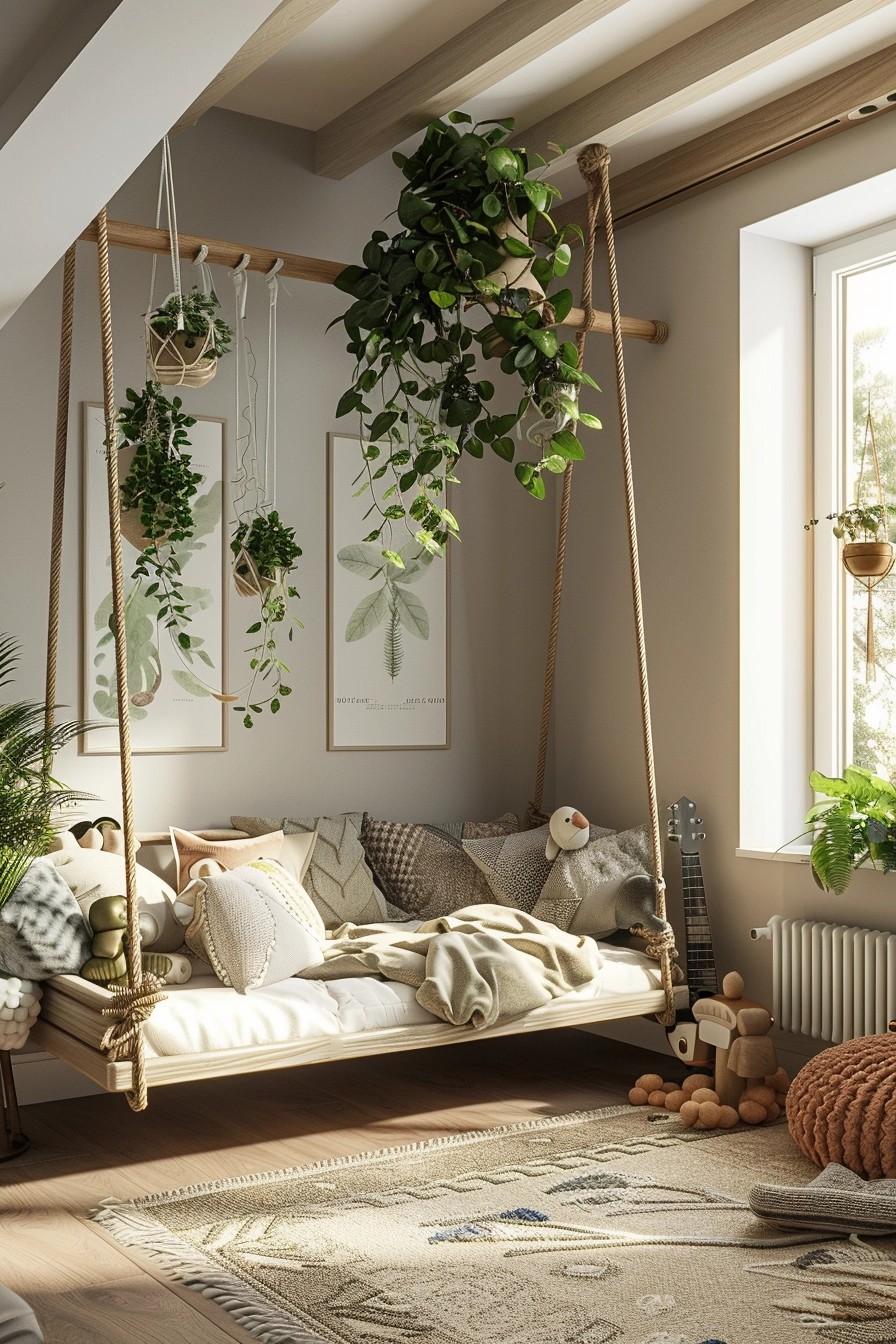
x: 71, y: 1025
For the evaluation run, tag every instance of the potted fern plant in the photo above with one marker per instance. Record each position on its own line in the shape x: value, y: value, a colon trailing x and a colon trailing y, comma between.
x: 472, y: 266
x: 265, y: 552
x: 853, y: 824
x: 186, y: 336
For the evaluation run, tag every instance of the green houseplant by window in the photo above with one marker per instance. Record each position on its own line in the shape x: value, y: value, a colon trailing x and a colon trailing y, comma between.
x: 854, y: 824
x: 29, y: 795
x: 265, y: 552
x: 476, y: 241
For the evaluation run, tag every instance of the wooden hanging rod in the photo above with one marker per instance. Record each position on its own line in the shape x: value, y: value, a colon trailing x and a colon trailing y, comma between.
x: 143, y: 238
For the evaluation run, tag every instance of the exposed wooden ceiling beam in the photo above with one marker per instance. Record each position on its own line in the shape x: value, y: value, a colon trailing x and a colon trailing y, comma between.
x: 750, y: 39
x: 487, y: 51
x: 801, y: 118
x: 287, y: 21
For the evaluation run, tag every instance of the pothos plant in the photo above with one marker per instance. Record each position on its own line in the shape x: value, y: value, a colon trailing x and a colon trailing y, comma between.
x: 855, y: 823
x: 471, y: 210
x: 265, y: 553
x: 860, y: 522
x: 160, y: 486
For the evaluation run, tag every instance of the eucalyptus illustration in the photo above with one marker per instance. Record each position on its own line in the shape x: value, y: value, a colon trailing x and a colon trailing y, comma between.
x: 390, y: 604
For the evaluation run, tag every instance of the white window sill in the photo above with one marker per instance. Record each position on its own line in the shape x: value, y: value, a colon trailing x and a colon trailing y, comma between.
x: 789, y: 854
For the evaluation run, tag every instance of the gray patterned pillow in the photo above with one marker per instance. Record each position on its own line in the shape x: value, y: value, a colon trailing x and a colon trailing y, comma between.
x: 42, y: 930
x: 338, y: 879
x: 515, y: 866
x: 422, y: 866
x: 583, y: 891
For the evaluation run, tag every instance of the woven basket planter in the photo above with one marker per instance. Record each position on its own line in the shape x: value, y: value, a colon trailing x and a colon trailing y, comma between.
x: 868, y: 559
x: 841, y: 1106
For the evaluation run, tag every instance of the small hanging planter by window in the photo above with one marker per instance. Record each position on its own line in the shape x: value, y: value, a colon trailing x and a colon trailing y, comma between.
x: 868, y: 554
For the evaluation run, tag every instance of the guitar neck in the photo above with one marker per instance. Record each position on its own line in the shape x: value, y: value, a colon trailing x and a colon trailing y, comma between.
x: 702, y: 976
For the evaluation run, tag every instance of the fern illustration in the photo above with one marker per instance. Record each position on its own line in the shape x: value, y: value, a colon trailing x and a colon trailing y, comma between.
x: 390, y: 604
x: 393, y: 647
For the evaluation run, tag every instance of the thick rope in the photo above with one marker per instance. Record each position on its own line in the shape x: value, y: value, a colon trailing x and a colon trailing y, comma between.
x: 62, y: 404
x: 535, y: 816
x: 594, y: 162
x: 136, y: 1001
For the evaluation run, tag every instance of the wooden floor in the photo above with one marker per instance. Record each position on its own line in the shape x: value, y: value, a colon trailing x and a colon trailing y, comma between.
x: 84, y: 1289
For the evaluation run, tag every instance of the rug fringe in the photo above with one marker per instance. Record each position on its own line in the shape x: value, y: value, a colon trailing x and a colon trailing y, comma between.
x: 387, y: 1154
x: 179, y: 1261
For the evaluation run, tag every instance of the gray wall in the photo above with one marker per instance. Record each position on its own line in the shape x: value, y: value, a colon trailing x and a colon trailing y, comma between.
x: 249, y: 181
x: 682, y: 265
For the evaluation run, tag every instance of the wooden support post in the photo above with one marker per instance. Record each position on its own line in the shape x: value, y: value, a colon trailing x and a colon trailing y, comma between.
x: 12, y: 1141
x: 297, y: 267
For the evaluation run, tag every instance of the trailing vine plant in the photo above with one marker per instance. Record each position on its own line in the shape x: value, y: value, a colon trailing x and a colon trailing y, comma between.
x: 475, y: 230
x: 160, y: 486
x: 265, y: 552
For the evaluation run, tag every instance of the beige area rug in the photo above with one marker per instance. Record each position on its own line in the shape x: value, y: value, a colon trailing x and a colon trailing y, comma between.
x: 587, y: 1229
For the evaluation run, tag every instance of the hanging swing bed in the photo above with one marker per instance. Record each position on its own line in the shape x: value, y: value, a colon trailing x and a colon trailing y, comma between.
x: 140, y: 1034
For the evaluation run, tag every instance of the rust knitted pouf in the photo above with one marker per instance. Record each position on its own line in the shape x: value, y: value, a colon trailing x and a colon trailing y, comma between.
x: 841, y: 1106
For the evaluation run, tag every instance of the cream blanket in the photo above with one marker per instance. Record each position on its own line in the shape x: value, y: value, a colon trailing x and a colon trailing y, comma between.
x: 481, y: 965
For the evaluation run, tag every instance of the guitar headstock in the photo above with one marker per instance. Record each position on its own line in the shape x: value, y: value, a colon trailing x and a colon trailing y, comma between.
x: 685, y: 827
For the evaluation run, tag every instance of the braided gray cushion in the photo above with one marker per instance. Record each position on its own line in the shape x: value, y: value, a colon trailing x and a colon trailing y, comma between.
x: 42, y: 930
x: 838, y: 1200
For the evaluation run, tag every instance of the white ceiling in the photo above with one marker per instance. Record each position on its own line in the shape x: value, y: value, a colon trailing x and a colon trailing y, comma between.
x: 359, y: 45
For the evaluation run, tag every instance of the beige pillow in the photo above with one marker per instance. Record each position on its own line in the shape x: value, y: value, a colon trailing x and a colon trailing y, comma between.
x: 196, y: 857
x: 93, y: 873
x: 338, y: 879
x: 255, y: 925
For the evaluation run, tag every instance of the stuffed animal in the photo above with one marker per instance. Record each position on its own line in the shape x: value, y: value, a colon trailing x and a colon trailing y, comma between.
x: 569, y: 829
x: 108, y: 919
x: 104, y: 833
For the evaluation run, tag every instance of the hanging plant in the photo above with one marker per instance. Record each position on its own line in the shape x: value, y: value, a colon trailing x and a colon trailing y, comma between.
x: 157, y: 488
x: 476, y: 235
x: 265, y: 553
x: 864, y: 528
x: 186, y: 336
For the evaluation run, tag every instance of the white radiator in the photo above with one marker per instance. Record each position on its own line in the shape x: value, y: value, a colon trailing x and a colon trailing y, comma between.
x: 831, y: 981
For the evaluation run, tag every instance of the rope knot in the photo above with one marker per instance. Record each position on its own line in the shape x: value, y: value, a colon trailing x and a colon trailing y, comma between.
x: 591, y: 159
x: 131, y: 1006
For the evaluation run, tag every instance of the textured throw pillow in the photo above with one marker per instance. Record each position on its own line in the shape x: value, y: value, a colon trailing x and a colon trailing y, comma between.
x: 583, y: 888
x: 255, y: 925
x: 42, y: 930
x: 196, y: 857
x: 93, y: 873
x: 423, y: 867
x: 515, y: 866
x: 338, y: 878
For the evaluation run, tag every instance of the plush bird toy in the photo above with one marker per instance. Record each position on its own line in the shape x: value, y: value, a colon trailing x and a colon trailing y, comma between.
x: 568, y: 830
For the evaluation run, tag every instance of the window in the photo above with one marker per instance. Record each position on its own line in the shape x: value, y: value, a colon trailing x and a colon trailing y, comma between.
x: 855, y: 371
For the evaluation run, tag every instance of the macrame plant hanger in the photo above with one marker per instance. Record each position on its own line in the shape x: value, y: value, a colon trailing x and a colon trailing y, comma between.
x: 594, y: 165
x: 859, y: 572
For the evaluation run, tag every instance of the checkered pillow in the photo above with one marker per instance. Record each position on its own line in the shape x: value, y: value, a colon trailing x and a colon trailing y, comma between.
x: 421, y: 867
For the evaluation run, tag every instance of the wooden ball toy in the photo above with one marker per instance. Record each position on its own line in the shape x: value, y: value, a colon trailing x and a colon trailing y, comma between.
x: 637, y: 1096
x: 752, y: 1112
x: 728, y: 1117
x: 690, y: 1113
x: 695, y: 1081
x: 657, y: 1097
x: 675, y: 1100
x: 705, y: 1094
x: 651, y: 1082
x: 709, y: 1113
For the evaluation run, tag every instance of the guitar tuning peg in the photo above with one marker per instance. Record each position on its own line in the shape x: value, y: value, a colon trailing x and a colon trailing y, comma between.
x: 698, y: 821
x: 701, y: 835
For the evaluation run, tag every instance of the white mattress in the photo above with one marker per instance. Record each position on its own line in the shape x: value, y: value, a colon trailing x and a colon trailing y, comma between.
x: 204, y: 1015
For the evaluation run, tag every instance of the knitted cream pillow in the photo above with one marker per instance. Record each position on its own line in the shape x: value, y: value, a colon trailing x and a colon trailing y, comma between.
x: 255, y: 925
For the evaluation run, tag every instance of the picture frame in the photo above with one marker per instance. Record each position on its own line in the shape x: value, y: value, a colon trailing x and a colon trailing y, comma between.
x: 174, y: 702
x: 388, y: 682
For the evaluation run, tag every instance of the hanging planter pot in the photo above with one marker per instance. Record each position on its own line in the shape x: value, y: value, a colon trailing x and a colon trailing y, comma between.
x: 248, y: 578
x: 129, y: 523
x: 868, y: 559
x: 181, y: 359
x: 516, y: 272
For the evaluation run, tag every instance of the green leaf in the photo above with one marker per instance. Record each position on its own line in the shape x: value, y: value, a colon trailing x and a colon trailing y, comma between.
x: 590, y: 421
x: 536, y: 487
x: 524, y: 471
x: 544, y: 340
x: 442, y: 298
x: 562, y: 259
x: 411, y: 209
x: 491, y: 206
x: 348, y: 402
x: 567, y: 445
x: 505, y: 448
x: 370, y: 612
x: 561, y: 302
x: 394, y: 558
x: 360, y: 559
x: 411, y: 613
x: 554, y: 463
x: 505, y: 163
x: 516, y: 248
